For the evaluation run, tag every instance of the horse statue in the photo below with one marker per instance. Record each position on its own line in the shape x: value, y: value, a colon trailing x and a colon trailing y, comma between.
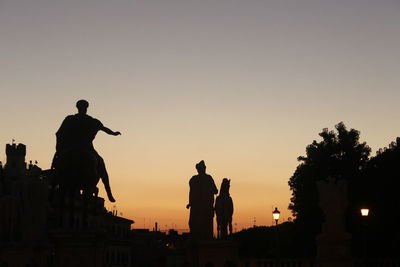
x: 75, y: 171
x: 224, y: 210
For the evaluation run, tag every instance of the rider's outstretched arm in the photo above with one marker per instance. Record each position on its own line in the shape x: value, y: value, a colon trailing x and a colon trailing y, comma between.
x: 108, y: 131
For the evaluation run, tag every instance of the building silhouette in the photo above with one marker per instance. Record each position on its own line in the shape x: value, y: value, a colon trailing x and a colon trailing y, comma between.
x: 30, y: 233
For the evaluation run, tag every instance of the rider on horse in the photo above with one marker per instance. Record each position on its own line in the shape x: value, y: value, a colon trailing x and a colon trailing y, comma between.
x: 78, y: 132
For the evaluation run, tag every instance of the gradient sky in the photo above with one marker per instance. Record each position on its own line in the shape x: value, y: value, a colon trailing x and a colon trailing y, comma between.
x: 244, y: 85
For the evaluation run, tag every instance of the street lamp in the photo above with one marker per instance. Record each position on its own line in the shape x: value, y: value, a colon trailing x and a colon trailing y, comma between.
x: 364, y: 212
x: 275, y: 214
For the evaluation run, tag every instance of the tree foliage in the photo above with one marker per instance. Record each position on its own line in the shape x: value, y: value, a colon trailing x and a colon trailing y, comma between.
x: 340, y: 154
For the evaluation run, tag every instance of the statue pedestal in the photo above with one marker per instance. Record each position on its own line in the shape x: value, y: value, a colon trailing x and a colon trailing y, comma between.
x: 216, y: 253
x: 334, y: 250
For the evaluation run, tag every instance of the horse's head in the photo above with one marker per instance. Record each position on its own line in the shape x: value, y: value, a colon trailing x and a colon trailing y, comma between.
x: 225, y: 185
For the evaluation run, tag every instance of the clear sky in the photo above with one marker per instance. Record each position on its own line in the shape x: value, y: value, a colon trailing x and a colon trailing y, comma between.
x: 243, y: 85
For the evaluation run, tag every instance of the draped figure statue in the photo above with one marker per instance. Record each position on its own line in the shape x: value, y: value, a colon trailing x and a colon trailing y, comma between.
x: 201, y: 204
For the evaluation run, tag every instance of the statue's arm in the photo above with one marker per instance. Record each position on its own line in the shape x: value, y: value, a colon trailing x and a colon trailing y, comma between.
x: 108, y: 131
x: 215, y: 187
x: 211, y: 185
x: 190, y: 196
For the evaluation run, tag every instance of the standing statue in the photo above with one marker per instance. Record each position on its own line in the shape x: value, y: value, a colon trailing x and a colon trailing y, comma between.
x: 75, y: 149
x: 201, y: 204
x: 224, y: 210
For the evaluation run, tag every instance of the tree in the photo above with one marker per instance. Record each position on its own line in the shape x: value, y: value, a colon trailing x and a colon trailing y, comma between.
x: 380, y: 195
x: 341, y: 155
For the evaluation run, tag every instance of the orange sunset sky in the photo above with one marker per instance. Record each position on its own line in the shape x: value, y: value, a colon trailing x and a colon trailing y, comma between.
x: 243, y: 85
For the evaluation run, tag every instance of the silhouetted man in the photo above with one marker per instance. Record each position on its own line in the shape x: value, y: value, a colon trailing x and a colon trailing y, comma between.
x: 78, y: 132
x: 201, y: 204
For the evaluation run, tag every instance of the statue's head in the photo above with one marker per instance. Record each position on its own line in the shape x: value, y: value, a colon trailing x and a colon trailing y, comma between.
x: 201, y: 167
x: 224, y: 190
x: 82, y: 106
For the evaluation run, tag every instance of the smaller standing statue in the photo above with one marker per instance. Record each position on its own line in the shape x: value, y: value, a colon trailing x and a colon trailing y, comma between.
x: 201, y: 204
x: 224, y: 210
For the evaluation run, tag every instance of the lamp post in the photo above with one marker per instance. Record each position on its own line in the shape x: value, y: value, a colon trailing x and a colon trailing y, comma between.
x: 275, y: 214
x: 364, y: 213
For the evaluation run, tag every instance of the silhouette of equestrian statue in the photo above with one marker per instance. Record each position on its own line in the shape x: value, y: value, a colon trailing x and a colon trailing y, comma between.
x: 76, y: 162
x: 224, y: 210
x: 201, y: 204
